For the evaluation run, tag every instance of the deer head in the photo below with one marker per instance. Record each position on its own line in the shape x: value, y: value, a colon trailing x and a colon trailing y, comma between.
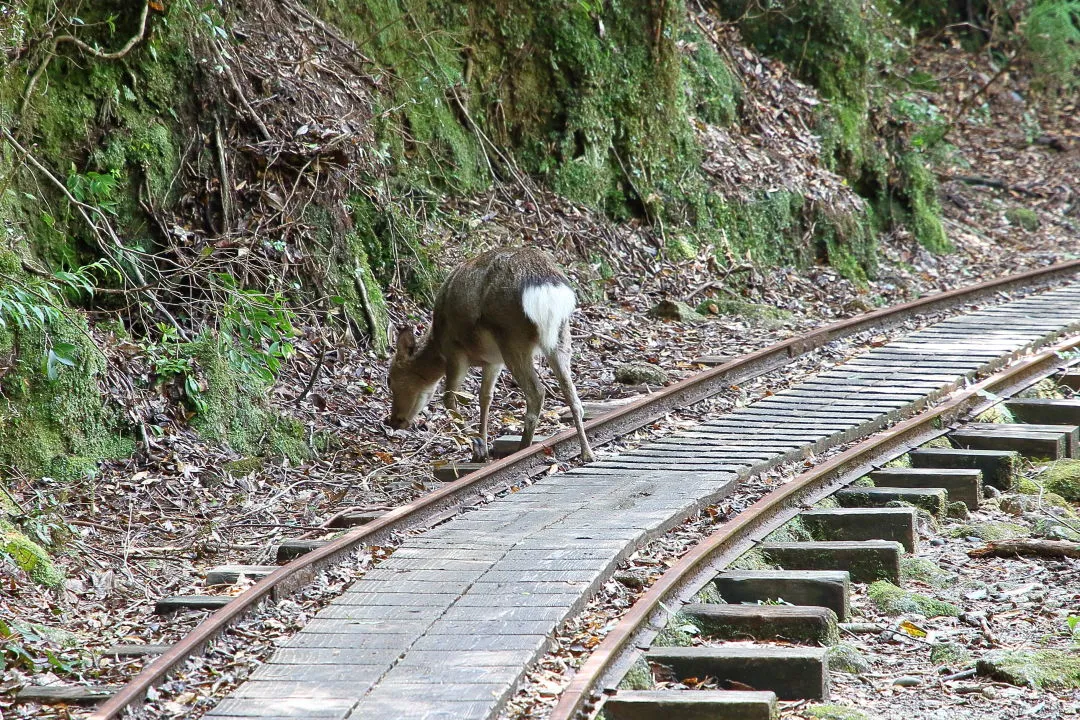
x: 410, y: 386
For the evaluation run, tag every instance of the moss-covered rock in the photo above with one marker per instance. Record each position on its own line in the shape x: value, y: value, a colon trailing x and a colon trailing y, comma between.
x: 847, y: 659
x: 1062, y: 478
x: 834, y: 712
x: 999, y: 413
x: 952, y: 655
x: 1046, y: 669
x: 893, y: 600
x: 675, y: 311
x: 753, y: 560
x: 680, y: 631
x: 640, y: 373
x: 638, y: 676
x: 234, y: 410
x: 957, y: 510
x: 755, y: 312
x: 29, y: 556
x: 925, y: 571
x: 1023, y: 218
x: 989, y: 531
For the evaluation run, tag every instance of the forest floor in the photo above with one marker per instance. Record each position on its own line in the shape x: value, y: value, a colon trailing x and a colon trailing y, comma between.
x: 152, y: 525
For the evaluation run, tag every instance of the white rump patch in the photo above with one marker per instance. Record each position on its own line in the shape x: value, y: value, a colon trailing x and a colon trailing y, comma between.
x: 548, y: 306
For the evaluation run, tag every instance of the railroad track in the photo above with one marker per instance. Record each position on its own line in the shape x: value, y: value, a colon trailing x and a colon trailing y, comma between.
x: 467, y: 573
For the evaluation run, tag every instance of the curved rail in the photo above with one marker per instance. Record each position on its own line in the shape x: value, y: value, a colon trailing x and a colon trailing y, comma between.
x: 448, y: 500
x: 696, y: 568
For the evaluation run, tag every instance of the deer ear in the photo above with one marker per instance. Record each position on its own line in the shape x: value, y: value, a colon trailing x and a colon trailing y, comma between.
x: 406, y: 341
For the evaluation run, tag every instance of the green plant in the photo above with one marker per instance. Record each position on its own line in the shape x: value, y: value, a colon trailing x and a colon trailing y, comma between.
x: 169, y: 359
x: 1052, y: 32
x: 38, y: 304
x: 94, y: 188
x: 262, y: 324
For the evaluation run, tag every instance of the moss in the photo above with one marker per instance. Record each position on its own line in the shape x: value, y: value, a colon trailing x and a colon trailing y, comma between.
x: 904, y: 461
x: 713, y: 89
x: 892, y: 600
x: 999, y: 413
x: 918, y: 188
x: 925, y: 571
x: 640, y: 372
x: 950, y: 654
x: 29, y: 556
x: 847, y: 659
x: 680, y: 631
x: 1062, y: 478
x: 989, y: 531
x: 834, y: 712
x: 244, y: 466
x: 235, y: 411
x: 1023, y: 218
x: 709, y: 594
x: 57, y: 427
x: 1046, y: 669
x: 1045, y: 389
x: 637, y: 677
x: 756, y: 312
x: 939, y: 443
x: 792, y: 531
x: 957, y: 510
x: 753, y: 560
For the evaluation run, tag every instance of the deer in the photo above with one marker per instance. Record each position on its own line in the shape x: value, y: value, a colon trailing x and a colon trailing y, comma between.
x: 501, y: 308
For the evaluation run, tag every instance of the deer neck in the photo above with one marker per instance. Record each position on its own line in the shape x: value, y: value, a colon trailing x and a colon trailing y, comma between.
x: 429, y: 362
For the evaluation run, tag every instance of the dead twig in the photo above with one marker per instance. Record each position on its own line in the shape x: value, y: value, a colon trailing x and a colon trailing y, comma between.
x: 92, y: 51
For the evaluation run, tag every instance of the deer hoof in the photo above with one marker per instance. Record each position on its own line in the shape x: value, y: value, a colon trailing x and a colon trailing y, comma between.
x: 479, y: 450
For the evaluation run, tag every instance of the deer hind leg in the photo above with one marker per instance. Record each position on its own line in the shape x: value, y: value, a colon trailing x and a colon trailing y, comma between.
x: 521, y: 367
x: 487, y: 391
x: 559, y: 360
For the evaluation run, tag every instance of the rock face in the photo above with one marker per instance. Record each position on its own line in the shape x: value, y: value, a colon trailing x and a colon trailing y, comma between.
x: 640, y: 374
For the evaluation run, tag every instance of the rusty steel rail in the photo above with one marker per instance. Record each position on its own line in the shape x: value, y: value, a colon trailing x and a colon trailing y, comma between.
x: 608, y: 661
x: 450, y: 499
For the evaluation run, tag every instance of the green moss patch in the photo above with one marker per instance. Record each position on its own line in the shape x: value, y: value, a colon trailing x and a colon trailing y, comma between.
x: 834, y: 712
x: 637, y: 677
x: 847, y: 659
x: 1062, y: 478
x: 1046, y: 669
x: 1023, y: 218
x: 892, y: 600
x: 925, y: 571
x: 950, y: 654
x: 989, y: 531
x: 755, y: 312
x: 29, y: 556
x: 680, y: 631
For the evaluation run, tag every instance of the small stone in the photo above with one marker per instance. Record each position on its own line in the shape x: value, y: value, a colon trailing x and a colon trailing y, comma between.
x: 989, y: 692
x: 973, y: 539
x: 907, y: 681
x: 846, y: 659
x: 676, y: 311
x: 990, y: 491
x: 640, y: 373
x: 957, y: 510
x: 979, y: 594
x: 950, y: 654
x: 937, y: 542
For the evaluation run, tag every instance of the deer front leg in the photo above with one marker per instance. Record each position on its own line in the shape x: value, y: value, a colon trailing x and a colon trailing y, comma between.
x: 559, y: 359
x: 487, y: 392
x: 455, y: 374
x: 521, y: 367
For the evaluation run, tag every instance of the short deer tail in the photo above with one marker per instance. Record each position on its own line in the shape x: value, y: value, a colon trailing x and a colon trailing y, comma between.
x: 549, y: 306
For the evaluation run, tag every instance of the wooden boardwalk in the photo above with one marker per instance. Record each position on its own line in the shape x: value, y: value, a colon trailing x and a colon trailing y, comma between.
x: 445, y: 628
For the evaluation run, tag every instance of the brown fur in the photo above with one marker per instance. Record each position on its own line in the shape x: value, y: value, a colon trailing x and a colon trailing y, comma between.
x: 479, y: 320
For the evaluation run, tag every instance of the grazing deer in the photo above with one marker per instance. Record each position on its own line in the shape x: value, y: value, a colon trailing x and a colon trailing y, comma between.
x: 500, y: 308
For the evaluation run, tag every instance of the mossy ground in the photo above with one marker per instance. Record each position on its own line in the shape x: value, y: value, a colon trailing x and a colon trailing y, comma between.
x: 953, y: 655
x: 989, y: 531
x: 925, y: 571
x: 893, y: 600
x: 1062, y: 478
x: 637, y: 677
x: 834, y: 712
x: 28, y: 555
x: 1046, y: 669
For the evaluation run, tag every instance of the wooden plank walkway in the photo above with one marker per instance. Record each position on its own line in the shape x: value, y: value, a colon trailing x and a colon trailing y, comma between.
x: 445, y: 628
